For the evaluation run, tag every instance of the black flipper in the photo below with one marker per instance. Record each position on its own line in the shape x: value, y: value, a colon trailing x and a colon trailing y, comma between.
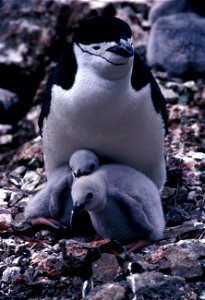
x: 63, y: 75
x: 141, y: 76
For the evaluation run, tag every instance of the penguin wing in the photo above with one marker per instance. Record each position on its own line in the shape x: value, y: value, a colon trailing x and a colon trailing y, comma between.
x: 141, y: 76
x: 62, y: 75
x: 59, y: 195
x: 134, y: 210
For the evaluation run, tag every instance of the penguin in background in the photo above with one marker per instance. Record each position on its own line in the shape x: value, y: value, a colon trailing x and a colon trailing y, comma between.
x: 171, y: 7
x: 101, y: 96
x: 177, y: 44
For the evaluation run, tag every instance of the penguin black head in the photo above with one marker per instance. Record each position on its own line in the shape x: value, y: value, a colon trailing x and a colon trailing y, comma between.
x: 102, y: 29
x: 104, y: 38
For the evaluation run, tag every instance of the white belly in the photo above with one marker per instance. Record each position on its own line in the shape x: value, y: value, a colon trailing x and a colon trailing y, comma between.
x: 126, y: 130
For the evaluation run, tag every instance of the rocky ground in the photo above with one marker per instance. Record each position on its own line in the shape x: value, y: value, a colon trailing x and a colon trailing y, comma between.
x: 42, y: 264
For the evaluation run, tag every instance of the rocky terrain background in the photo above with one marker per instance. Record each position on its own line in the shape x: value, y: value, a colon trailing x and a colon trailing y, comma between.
x: 38, y: 263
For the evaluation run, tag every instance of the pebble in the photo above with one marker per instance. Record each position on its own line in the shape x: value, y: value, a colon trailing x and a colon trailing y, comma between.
x: 5, y: 128
x: 202, y: 176
x: 6, y: 139
x: 20, y: 170
x: 169, y: 94
x: 5, y: 220
x: 7, y: 99
x: 4, y: 195
x: 198, y: 156
x: 31, y: 180
x: 10, y: 272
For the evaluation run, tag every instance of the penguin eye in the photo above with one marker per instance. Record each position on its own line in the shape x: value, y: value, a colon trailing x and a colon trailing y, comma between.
x: 96, y: 47
x: 89, y: 196
x: 92, y: 167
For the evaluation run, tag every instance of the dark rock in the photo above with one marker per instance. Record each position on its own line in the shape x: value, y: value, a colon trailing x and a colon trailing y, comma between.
x: 202, y: 176
x: 7, y: 101
x: 78, y: 257
x: 184, y: 230
x: 181, y: 213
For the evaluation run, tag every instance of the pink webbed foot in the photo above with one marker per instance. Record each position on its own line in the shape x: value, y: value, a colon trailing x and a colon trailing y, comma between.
x: 136, y: 245
x: 47, y: 221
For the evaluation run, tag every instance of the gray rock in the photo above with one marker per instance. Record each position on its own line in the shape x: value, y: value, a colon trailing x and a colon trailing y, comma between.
x: 7, y: 100
x: 169, y: 94
x: 106, y: 268
x: 155, y: 285
x: 10, y: 272
x: 30, y: 181
x: 107, y: 291
x: 184, y: 258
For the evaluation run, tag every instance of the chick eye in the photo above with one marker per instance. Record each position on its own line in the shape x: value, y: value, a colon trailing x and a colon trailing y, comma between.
x: 96, y: 47
x: 89, y: 196
x: 92, y: 167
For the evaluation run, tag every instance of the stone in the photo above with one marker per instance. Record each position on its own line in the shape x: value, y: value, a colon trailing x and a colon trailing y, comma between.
x: 106, y: 268
x: 155, y: 285
x: 182, y: 258
x: 5, y: 220
x: 31, y: 180
x: 169, y: 94
x: 7, y: 101
x: 107, y: 291
x: 6, y: 139
x: 10, y: 272
x: 198, y: 156
x: 4, y: 195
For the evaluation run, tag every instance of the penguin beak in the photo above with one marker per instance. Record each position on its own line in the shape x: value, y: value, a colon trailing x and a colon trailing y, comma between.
x: 123, y: 49
x: 79, y: 207
x: 80, y: 173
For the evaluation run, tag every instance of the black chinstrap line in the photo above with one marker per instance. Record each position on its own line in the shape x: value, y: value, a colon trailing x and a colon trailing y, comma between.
x: 100, y: 56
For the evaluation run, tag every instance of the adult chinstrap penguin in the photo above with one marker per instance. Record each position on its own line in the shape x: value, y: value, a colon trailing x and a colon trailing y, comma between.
x: 101, y: 96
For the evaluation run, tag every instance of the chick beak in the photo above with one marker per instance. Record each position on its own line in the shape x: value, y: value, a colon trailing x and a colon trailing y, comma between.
x: 77, y: 208
x: 123, y: 49
x: 80, y: 173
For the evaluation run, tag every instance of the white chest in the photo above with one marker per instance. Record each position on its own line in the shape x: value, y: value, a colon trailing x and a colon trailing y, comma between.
x: 115, y: 122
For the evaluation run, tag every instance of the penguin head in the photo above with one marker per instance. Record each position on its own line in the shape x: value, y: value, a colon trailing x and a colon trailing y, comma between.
x: 89, y: 193
x: 104, y: 43
x: 83, y: 162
